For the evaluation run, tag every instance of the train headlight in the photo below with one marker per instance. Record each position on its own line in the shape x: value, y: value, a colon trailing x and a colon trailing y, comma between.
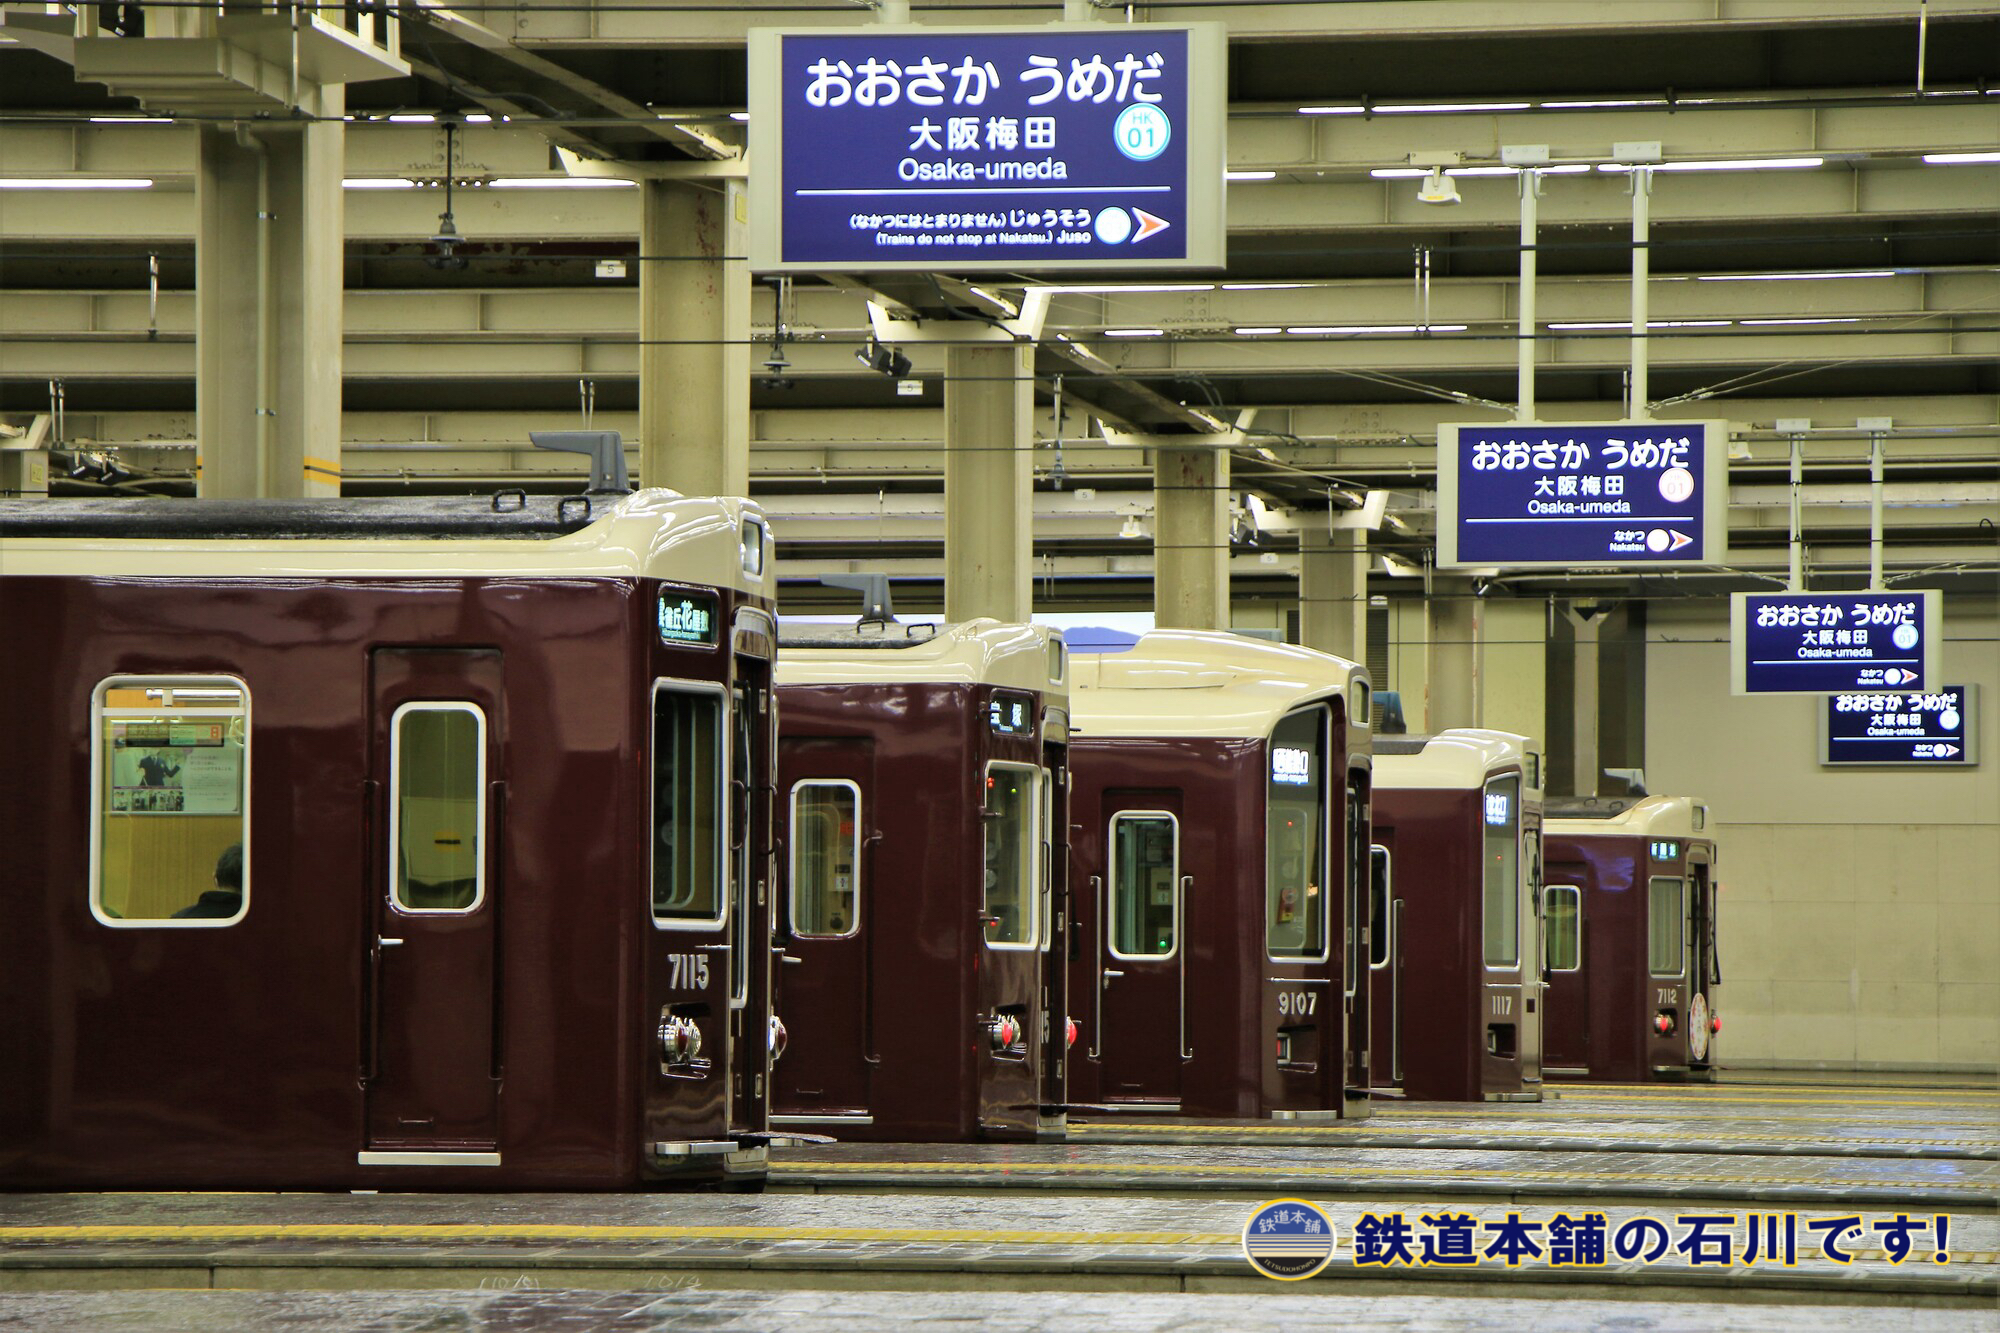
x: 1004, y: 1031
x: 778, y: 1037
x: 680, y: 1040
x: 1663, y: 1023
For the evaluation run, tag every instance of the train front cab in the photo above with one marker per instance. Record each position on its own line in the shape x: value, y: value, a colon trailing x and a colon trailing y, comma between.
x: 925, y: 781
x: 1634, y: 976
x: 1220, y: 826
x: 1454, y: 890
x: 490, y: 779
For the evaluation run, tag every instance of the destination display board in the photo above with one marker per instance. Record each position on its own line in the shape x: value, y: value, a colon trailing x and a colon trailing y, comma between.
x: 950, y: 149
x: 1833, y: 642
x: 1908, y: 730
x: 1535, y: 495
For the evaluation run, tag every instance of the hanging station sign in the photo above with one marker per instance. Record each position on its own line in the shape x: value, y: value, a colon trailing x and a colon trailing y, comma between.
x: 949, y: 149
x: 1908, y: 730
x: 1537, y: 495
x: 1833, y: 642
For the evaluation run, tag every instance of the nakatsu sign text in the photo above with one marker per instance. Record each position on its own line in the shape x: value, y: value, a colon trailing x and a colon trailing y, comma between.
x: 953, y: 149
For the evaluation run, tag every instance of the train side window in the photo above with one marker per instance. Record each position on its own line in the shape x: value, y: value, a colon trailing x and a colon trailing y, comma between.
x: 826, y: 858
x: 170, y: 801
x: 1295, y: 839
x: 1378, y: 906
x: 1012, y: 898
x: 1565, y: 927
x: 1501, y: 820
x: 437, y: 807
x: 1665, y: 948
x: 1145, y: 884
x: 688, y: 810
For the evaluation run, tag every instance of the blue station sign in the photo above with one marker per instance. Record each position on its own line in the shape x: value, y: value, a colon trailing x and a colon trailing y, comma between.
x: 1917, y: 729
x: 949, y: 149
x: 1832, y: 643
x: 1536, y: 495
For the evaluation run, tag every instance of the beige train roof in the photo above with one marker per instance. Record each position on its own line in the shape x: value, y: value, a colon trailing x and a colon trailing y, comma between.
x: 1178, y: 682
x: 1648, y: 817
x: 975, y: 652
x: 648, y: 534
x: 1461, y: 757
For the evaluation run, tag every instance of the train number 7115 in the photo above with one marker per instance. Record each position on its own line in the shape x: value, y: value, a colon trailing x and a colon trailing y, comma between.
x: 687, y: 971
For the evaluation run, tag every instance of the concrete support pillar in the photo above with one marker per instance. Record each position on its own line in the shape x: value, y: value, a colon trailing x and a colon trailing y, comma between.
x: 268, y: 330
x: 1574, y: 767
x: 1513, y: 667
x: 1621, y: 684
x: 694, y: 329
x: 1191, y: 538
x: 1333, y: 593
x: 988, y: 481
x: 1451, y: 676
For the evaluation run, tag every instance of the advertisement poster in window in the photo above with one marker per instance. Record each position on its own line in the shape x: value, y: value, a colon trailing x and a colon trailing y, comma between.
x: 178, y: 768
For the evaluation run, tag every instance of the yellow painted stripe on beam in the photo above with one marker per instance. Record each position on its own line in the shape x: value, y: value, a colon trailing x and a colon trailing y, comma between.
x: 1527, y: 1130
x: 787, y: 1170
x: 100, y: 1233
x: 1758, y: 1101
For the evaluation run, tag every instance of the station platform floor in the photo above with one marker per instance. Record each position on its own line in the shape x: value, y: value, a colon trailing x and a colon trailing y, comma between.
x: 1136, y: 1233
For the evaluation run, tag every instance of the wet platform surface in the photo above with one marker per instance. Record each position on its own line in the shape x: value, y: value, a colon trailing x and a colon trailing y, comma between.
x: 533, y: 1311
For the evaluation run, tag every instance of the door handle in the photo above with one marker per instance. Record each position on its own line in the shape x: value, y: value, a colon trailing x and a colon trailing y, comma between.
x: 1108, y: 973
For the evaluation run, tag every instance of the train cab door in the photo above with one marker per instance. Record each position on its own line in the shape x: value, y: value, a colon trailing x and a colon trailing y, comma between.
x: 1141, y: 990
x: 752, y: 759
x: 1385, y: 973
x: 436, y: 749
x: 826, y: 986
x: 1703, y: 972
x: 1566, y: 1002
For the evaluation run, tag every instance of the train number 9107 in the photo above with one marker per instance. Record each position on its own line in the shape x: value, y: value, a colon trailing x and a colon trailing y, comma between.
x: 1297, y: 1003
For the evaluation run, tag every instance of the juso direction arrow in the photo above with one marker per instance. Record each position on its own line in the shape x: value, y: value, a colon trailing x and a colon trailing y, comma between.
x: 1148, y: 224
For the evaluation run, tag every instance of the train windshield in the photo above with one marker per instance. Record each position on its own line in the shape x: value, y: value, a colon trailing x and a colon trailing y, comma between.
x: 1012, y: 894
x: 1501, y: 819
x: 1665, y: 947
x: 687, y: 807
x: 1295, y: 853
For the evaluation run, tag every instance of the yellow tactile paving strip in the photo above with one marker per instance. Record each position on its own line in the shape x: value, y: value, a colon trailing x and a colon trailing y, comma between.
x: 117, y: 1233
x: 1288, y: 1170
x: 1522, y: 1129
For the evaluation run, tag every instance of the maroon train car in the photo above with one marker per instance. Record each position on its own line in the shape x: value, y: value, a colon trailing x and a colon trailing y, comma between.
x: 1634, y: 977
x: 386, y: 844
x: 1455, y: 953
x: 925, y: 778
x: 1220, y: 849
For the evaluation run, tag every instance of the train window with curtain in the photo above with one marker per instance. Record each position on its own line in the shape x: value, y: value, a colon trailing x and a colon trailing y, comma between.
x: 170, y: 801
x: 826, y: 858
x: 1665, y: 949
x: 1564, y: 908
x: 437, y: 807
x: 1012, y: 895
x: 688, y: 811
x: 1378, y: 906
x: 1500, y: 818
x: 1145, y: 884
x: 1295, y: 851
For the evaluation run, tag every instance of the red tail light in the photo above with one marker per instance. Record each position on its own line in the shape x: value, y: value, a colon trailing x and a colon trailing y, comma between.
x: 1070, y: 1033
x: 1715, y: 1024
x: 1663, y: 1024
x: 778, y: 1038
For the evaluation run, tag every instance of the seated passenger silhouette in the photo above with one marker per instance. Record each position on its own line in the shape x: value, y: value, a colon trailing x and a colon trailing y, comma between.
x: 226, y: 898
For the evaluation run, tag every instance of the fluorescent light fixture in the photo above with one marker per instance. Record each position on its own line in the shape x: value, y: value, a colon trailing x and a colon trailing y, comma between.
x: 1821, y: 319
x: 739, y: 116
x: 1321, y: 330
x: 131, y: 120
x: 1331, y: 110
x: 378, y: 183
x: 1589, y: 324
x: 1122, y: 288
x: 1135, y: 333
x: 1250, y: 175
x: 74, y: 183
x: 1258, y: 330
x: 413, y: 118
x: 1742, y: 164
x: 1571, y: 169
x: 560, y: 183
x: 1959, y: 159
x: 1427, y: 108
x: 1263, y: 286
x: 1414, y: 173
x: 1605, y: 105
x: 1794, y: 277
x: 479, y: 118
